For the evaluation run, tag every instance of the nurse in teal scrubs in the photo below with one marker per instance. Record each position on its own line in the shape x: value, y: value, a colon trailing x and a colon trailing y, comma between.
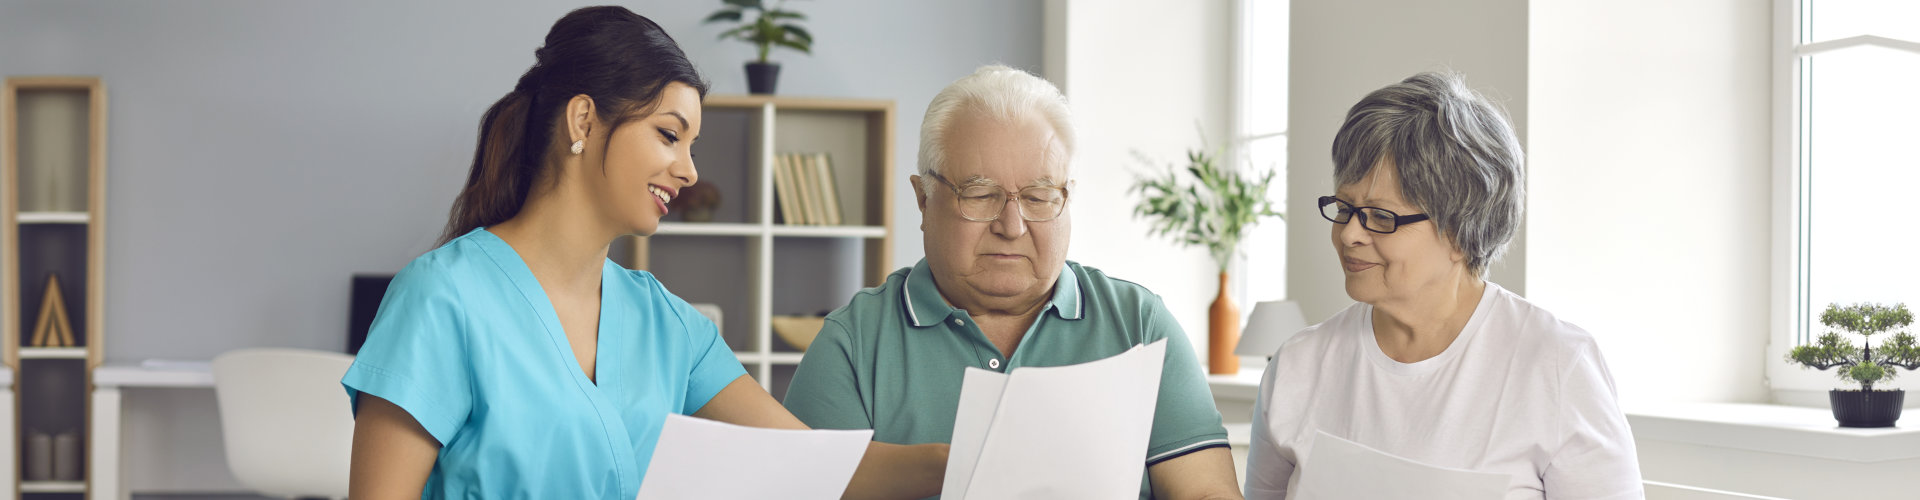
x: 516, y: 360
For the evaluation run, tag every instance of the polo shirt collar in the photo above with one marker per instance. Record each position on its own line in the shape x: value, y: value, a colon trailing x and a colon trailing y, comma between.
x: 925, y: 306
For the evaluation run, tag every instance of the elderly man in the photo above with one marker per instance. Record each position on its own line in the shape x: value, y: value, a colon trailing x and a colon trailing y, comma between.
x: 996, y: 292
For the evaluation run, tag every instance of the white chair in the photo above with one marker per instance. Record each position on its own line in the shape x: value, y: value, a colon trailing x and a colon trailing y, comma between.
x: 286, y: 421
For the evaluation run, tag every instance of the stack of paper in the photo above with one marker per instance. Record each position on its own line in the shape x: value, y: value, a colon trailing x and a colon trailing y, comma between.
x: 1076, y: 431
x: 699, y: 458
x: 1336, y: 468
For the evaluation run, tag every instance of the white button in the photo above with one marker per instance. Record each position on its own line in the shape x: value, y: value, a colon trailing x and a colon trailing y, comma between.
x: 959, y: 321
x: 993, y: 363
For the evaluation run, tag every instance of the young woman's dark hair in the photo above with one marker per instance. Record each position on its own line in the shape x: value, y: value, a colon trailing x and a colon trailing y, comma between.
x: 621, y: 60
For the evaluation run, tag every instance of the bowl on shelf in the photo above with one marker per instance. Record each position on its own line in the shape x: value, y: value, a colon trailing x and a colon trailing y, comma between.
x: 798, y: 330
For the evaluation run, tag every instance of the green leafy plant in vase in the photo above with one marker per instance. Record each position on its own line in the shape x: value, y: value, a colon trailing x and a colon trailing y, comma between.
x: 1208, y: 207
x: 1865, y: 364
x: 770, y: 27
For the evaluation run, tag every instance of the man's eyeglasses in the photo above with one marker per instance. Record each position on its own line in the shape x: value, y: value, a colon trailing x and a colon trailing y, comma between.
x: 983, y: 203
x: 1374, y: 219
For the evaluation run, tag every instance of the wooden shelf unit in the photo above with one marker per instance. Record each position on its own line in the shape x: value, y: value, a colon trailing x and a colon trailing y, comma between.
x: 52, y: 212
x: 748, y: 248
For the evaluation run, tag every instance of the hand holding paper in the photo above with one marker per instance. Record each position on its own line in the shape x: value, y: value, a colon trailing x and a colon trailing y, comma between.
x: 699, y: 458
x: 1060, y: 432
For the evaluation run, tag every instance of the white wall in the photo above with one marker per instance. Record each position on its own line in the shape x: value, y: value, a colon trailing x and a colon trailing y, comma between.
x: 1140, y: 75
x: 1343, y: 49
x: 1651, y: 166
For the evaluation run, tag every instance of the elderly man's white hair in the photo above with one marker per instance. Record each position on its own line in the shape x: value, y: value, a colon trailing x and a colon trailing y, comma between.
x: 996, y: 92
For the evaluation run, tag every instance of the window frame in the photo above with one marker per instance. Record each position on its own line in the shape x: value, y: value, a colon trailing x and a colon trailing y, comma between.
x: 1790, y: 321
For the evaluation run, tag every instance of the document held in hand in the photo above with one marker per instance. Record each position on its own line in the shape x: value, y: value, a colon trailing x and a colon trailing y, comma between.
x: 1339, y: 469
x: 1057, y: 432
x: 700, y: 458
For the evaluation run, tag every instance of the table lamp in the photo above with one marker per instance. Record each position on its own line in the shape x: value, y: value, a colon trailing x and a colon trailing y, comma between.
x: 1272, y: 323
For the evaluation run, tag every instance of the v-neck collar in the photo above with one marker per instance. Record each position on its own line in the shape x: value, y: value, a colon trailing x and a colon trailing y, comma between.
x: 611, y: 297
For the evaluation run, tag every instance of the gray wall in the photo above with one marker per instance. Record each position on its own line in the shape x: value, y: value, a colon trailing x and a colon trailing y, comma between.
x: 262, y: 152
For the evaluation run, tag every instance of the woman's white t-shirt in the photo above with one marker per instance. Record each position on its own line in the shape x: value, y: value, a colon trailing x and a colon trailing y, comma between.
x: 1518, y: 392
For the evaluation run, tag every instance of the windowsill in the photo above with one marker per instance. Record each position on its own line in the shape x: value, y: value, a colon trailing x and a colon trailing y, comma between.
x: 1243, y: 386
x: 1790, y: 430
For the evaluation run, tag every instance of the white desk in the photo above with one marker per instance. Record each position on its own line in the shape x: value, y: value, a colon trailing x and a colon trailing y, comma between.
x: 104, y: 436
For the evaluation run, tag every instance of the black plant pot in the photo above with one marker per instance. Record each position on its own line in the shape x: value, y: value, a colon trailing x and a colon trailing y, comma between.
x: 1866, y: 408
x: 762, y: 77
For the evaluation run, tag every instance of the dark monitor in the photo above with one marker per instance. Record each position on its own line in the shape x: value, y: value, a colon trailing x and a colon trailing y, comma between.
x: 368, y: 290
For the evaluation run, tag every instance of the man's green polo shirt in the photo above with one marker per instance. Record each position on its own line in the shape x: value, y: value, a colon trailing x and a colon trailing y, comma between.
x: 893, y: 358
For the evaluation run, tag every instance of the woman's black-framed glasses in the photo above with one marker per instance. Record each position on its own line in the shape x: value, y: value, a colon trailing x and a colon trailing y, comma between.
x: 1374, y: 219
x: 984, y: 203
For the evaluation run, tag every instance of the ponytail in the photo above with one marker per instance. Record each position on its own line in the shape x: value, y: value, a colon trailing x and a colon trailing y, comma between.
x: 502, y: 169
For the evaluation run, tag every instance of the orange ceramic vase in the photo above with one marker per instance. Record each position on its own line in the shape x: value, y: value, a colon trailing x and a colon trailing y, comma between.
x: 1223, y: 332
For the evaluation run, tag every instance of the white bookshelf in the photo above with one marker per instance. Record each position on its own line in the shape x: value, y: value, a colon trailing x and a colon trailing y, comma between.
x: 748, y: 259
x: 53, y: 353
x: 53, y: 487
x: 54, y: 217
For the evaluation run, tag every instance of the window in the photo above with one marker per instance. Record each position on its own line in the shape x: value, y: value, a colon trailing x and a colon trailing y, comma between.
x: 1260, y: 141
x: 1855, y: 174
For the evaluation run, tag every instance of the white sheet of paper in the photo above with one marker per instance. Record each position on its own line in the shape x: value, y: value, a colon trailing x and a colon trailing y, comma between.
x: 1077, y: 431
x: 1340, y: 469
x: 700, y: 458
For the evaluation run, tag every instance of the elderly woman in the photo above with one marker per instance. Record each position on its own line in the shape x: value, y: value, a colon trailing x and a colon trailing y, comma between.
x: 1434, y: 364
x: 996, y: 292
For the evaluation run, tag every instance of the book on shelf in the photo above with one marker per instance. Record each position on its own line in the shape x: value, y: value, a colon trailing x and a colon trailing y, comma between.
x: 809, y: 189
x: 805, y: 190
x: 786, y: 196
x: 829, y: 192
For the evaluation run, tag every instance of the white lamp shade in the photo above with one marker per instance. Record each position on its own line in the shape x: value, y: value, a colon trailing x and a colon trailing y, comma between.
x: 1272, y: 323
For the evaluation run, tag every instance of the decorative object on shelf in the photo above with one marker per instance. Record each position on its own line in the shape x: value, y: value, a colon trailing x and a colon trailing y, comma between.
x: 1272, y: 323
x: 806, y: 191
x: 696, y: 203
x: 1866, y: 407
x: 798, y: 330
x: 39, y: 456
x: 53, y: 329
x: 66, y: 456
x: 770, y: 27
x: 1213, y: 211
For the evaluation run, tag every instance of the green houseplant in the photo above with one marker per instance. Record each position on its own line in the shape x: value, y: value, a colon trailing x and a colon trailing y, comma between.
x: 1208, y: 207
x: 770, y: 26
x: 1866, y: 407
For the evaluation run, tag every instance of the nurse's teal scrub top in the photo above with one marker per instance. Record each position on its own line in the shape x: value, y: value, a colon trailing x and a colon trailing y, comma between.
x: 467, y: 342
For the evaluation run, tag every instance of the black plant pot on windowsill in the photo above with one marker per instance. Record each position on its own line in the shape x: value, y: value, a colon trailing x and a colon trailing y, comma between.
x: 1866, y: 408
x: 762, y: 77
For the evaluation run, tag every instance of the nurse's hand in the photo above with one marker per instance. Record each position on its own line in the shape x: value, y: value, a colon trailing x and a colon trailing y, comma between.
x: 899, y: 471
x: 887, y: 471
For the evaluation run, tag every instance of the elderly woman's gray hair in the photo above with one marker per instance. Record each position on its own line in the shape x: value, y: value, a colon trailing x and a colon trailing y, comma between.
x: 1457, y: 158
x: 999, y: 93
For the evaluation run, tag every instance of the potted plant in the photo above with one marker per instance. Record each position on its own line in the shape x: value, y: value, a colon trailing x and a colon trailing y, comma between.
x: 770, y: 27
x: 1213, y: 209
x: 1866, y: 407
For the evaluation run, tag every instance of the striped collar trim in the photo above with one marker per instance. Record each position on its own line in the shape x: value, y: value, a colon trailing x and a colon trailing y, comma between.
x: 925, y: 307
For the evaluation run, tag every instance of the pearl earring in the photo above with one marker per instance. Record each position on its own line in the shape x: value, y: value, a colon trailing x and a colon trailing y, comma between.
x: 579, y: 146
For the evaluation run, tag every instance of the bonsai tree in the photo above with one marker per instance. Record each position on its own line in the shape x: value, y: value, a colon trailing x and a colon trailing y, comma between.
x: 770, y: 27
x: 1213, y: 210
x: 1863, y: 364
